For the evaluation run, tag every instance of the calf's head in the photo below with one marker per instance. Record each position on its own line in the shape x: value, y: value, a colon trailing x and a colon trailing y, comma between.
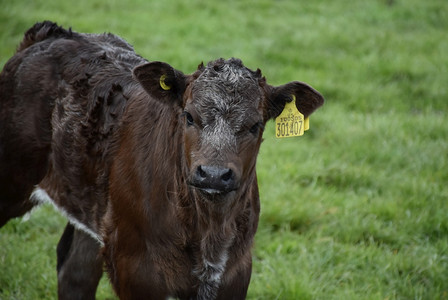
x: 224, y: 107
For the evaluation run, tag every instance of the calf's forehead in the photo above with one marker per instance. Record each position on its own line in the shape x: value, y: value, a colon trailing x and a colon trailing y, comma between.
x: 226, y: 88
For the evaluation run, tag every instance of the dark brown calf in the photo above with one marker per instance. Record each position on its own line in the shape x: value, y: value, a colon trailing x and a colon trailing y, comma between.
x: 155, y: 167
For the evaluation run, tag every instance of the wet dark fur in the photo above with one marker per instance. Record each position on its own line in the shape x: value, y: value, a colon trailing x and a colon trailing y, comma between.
x: 85, y: 119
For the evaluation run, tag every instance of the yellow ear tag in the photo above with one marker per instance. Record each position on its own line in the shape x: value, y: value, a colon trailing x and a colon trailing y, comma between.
x: 163, y: 85
x: 290, y: 122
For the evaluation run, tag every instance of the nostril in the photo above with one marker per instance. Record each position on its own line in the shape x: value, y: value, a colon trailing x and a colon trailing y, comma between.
x: 214, y: 179
x: 227, y: 175
x: 201, y: 172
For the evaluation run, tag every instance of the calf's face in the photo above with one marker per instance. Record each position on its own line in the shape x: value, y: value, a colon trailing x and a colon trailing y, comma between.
x: 223, y: 127
x: 225, y: 107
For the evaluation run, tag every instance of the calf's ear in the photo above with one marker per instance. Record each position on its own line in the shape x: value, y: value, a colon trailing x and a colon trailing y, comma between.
x: 161, y: 81
x: 307, y: 98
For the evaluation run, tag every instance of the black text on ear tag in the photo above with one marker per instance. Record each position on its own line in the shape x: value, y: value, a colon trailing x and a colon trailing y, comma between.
x: 290, y: 122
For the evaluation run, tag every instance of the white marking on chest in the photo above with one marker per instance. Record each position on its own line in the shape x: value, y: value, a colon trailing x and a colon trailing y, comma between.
x: 210, y: 275
x: 211, y: 270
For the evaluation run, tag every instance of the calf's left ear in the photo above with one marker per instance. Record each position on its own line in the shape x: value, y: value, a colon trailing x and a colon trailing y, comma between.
x: 161, y: 81
x: 307, y: 98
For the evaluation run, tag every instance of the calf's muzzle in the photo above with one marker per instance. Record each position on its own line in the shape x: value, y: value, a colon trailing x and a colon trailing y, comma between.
x: 214, y: 179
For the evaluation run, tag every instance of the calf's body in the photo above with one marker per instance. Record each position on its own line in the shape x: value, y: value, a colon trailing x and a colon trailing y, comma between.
x: 154, y: 169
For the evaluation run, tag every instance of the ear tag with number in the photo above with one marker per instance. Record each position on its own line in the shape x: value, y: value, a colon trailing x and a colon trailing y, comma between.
x: 290, y: 122
x: 163, y: 85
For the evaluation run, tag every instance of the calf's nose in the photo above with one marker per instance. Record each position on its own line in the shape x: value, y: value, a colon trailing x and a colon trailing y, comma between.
x: 214, y: 179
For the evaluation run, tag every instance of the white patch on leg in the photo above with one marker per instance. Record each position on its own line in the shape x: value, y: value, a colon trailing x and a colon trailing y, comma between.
x: 40, y: 196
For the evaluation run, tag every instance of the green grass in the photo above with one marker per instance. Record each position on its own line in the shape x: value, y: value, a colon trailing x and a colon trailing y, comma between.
x: 355, y: 209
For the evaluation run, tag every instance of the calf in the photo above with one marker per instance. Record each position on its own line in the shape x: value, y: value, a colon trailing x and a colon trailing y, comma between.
x: 154, y: 169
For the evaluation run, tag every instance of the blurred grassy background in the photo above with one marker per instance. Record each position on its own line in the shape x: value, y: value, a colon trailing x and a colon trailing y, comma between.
x: 355, y: 209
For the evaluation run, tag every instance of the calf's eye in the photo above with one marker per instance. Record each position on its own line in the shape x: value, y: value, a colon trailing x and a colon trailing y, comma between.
x: 189, y: 118
x: 254, y: 129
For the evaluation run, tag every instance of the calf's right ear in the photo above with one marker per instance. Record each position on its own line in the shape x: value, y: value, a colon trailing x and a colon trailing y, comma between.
x: 161, y: 81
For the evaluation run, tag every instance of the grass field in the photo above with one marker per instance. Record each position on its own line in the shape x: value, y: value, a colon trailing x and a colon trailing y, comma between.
x: 355, y: 209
